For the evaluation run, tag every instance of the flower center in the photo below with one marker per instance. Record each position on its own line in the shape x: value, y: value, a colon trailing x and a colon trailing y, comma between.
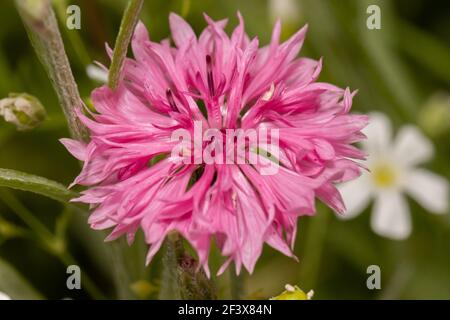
x: 384, y: 175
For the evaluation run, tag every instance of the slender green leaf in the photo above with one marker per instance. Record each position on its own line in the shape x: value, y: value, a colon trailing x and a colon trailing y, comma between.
x: 28, y: 182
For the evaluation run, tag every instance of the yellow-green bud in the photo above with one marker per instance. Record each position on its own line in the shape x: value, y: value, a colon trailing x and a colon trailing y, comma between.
x: 294, y: 293
x: 23, y: 110
x: 142, y: 289
x: 434, y: 114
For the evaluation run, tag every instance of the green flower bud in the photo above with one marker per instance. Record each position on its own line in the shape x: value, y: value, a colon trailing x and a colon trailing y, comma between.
x: 23, y: 110
x: 294, y: 293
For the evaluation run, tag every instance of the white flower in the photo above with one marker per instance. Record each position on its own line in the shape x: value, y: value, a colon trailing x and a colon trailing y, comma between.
x: 4, y: 296
x: 97, y: 73
x: 392, y: 172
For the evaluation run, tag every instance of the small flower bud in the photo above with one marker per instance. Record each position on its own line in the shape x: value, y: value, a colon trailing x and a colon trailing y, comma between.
x: 22, y: 110
x: 294, y: 293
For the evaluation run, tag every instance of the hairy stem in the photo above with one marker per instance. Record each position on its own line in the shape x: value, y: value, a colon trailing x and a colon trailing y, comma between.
x: 129, y: 20
x: 72, y: 35
x: 181, y: 279
x: 42, y: 28
x: 120, y: 271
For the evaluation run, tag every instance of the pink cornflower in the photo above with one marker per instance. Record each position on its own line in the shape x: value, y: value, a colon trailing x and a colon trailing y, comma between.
x: 225, y: 83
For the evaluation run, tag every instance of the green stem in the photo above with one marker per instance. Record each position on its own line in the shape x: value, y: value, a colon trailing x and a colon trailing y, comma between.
x: 129, y: 21
x: 313, y: 250
x: 236, y: 285
x: 185, y: 7
x: 120, y: 271
x: 169, y: 284
x: 180, y: 279
x: 11, y: 201
x: 42, y: 28
x: 127, y: 25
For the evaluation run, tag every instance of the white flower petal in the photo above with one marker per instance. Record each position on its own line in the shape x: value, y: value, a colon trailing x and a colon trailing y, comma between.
x: 411, y: 147
x: 378, y: 132
x: 390, y: 216
x: 428, y: 189
x: 356, y: 196
x: 4, y: 296
x: 96, y: 73
x: 285, y: 10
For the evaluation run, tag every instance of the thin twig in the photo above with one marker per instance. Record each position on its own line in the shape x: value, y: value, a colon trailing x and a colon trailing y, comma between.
x: 129, y: 21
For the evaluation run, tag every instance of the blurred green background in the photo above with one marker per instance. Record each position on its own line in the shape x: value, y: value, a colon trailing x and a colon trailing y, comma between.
x: 402, y: 70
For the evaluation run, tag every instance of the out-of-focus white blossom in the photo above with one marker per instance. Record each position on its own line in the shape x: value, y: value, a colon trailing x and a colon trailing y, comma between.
x: 97, y: 73
x: 286, y: 10
x: 392, y: 172
x: 4, y: 296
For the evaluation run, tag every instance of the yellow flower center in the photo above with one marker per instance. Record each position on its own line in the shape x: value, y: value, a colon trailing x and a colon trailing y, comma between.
x: 384, y: 176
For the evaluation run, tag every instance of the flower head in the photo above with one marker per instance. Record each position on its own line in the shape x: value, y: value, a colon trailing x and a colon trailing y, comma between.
x: 222, y: 83
x: 392, y: 171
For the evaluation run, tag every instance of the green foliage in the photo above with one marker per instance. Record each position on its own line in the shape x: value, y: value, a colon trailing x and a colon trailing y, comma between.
x: 28, y: 182
x: 15, y: 284
x: 398, y: 70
